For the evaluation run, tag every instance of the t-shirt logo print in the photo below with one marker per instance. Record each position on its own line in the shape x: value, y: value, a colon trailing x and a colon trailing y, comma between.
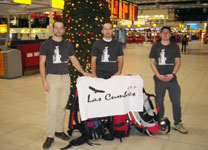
x: 57, y: 56
x: 105, y: 55
x: 162, y: 58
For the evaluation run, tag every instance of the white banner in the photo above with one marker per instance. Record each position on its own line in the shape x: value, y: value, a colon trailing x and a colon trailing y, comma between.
x: 108, y: 97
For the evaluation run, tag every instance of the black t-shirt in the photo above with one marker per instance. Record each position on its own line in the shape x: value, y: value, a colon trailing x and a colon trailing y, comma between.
x: 57, y: 54
x: 107, y: 54
x: 164, y: 56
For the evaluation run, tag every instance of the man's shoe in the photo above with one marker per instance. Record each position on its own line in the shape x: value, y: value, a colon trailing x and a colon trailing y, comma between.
x: 62, y: 136
x: 48, y: 142
x: 181, y: 128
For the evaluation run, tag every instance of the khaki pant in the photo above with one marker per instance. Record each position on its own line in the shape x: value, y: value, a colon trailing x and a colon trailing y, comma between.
x: 56, y: 98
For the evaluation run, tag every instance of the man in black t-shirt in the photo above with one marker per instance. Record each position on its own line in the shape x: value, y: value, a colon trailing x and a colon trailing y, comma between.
x: 165, y: 61
x: 107, y: 55
x: 54, y: 55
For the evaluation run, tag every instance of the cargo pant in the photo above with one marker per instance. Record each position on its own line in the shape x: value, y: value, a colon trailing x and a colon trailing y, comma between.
x: 174, y: 94
x: 57, y: 99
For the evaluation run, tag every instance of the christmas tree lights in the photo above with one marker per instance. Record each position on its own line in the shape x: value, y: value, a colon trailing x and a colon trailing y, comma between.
x: 83, y: 23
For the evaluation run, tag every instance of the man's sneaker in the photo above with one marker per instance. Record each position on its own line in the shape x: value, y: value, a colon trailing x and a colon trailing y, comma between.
x: 48, y: 142
x: 181, y: 128
x: 62, y: 136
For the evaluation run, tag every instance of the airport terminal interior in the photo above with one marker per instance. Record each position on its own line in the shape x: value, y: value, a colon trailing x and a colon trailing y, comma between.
x: 23, y: 101
x: 23, y: 107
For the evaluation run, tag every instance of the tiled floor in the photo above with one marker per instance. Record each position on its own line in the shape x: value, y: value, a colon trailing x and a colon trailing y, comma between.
x: 23, y: 107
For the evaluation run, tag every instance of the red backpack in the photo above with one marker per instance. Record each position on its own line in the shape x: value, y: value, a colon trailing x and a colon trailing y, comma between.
x: 121, y: 126
x: 95, y: 128
x: 184, y: 39
x: 148, y: 121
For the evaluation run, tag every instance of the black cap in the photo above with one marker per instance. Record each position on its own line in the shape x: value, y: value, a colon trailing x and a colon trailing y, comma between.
x: 165, y: 27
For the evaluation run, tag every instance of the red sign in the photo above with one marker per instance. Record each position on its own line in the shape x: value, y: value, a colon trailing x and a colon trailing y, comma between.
x: 122, y: 9
x: 116, y: 12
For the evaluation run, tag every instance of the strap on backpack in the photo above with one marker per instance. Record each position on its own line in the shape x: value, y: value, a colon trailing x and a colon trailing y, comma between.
x: 107, y: 124
x: 73, y: 113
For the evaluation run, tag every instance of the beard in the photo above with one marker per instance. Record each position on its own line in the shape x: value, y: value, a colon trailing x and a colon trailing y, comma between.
x: 165, y: 39
x: 58, y: 35
x: 108, y: 35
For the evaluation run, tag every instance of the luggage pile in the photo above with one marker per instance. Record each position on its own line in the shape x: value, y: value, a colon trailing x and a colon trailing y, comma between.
x: 109, y: 128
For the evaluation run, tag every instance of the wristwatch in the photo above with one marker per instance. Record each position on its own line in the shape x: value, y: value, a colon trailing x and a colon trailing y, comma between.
x: 173, y: 74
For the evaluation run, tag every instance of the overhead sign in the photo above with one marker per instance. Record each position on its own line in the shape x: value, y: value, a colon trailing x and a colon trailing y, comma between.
x: 58, y: 4
x: 28, y: 2
x: 3, y: 28
x: 121, y: 9
x: 191, y: 25
x: 154, y: 25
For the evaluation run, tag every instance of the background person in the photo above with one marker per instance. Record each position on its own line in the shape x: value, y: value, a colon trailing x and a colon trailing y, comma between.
x: 184, y: 43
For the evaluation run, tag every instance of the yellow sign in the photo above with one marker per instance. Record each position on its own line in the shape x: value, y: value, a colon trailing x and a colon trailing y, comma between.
x: 129, y: 25
x: 26, y: 30
x: 114, y: 25
x: 139, y: 25
x: 58, y: 4
x: 23, y: 1
x: 154, y: 25
x: 184, y: 28
x: 40, y: 30
x: 174, y: 29
x: 3, y: 28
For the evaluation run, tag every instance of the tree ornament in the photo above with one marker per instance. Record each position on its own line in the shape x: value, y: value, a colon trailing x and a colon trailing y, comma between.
x: 82, y: 20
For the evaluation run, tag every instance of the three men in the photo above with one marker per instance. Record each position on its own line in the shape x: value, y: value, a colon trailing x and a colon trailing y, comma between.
x: 107, y: 60
x: 165, y: 61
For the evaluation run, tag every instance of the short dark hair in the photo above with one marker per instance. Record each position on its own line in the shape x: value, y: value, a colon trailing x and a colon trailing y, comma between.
x: 109, y: 23
x: 165, y: 27
x: 60, y: 21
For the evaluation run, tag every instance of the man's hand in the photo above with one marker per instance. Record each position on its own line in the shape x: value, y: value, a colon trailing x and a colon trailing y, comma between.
x: 93, y: 75
x: 87, y: 74
x: 161, y: 77
x: 169, y: 77
x: 165, y: 78
x: 46, y: 87
x: 117, y: 73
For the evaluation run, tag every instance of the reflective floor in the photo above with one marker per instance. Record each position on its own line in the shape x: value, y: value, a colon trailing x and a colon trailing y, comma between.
x: 23, y: 107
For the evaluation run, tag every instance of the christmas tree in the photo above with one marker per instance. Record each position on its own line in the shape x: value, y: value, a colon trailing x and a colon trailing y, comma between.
x: 84, y: 20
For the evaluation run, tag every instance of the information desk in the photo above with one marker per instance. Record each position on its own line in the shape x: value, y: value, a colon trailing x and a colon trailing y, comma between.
x: 30, y: 55
x: 10, y: 64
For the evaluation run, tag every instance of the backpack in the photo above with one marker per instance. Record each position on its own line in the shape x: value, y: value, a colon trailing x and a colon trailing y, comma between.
x: 121, y: 126
x: 95, y: 128
x: 148, y: 121
x: 91, y: 129
x: 184, y: 39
